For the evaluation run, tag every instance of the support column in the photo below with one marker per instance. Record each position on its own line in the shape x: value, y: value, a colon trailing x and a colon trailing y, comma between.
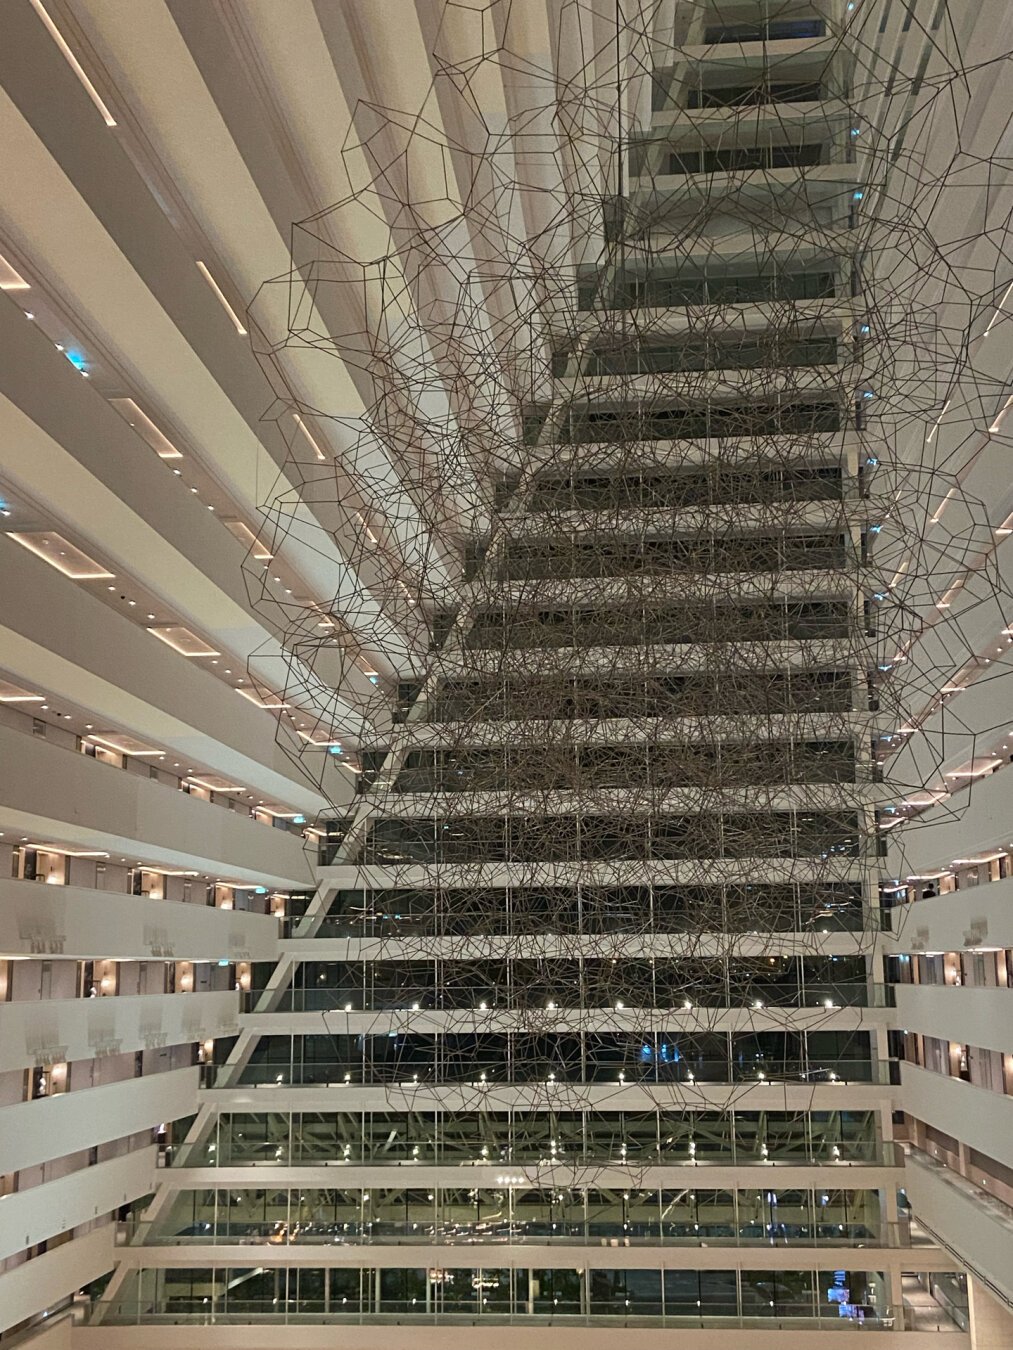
x: 991, y: 1321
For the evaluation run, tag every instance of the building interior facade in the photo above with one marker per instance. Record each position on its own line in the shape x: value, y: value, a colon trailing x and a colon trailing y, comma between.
x: 556, y: 451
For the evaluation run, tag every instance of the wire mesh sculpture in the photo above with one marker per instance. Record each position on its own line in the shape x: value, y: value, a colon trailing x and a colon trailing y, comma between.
x: 652, y: 357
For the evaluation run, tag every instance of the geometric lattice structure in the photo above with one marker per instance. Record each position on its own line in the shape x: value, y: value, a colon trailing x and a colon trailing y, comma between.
x: 603, y: 908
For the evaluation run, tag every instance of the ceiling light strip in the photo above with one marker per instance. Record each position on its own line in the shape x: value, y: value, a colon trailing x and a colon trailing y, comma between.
x: 74, y: 63
x: 222, y: 299
x: 309, y: 436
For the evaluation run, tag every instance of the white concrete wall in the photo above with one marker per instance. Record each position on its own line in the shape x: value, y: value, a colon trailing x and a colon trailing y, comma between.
x: 973, y: 823
x: 971, y: 1224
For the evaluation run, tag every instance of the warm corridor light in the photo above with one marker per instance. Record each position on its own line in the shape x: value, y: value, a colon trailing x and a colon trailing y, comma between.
x: 213, y: 782
x: 61, y: 554
x: 74, y: 63
x: 222, y: 300
x: 999, y: 311
x: 69, y: 852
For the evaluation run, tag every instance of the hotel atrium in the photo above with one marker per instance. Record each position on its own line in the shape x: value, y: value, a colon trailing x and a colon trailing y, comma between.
x: 517, y: 490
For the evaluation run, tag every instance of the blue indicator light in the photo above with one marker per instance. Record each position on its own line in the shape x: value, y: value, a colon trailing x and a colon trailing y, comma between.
x: 857, y: 196
x: 223, y: 963
x: 76, y: 359
x: 298, y: 820
x: 334, y: 749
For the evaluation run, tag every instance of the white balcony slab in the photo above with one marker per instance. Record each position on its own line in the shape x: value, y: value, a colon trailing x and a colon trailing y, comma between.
x: 974, y: 1226
x: 979, y: 1118
x: 37, y: 1284
x: 35, y: 1215
x: 979, y: 916
x: 971, y: 824
x: 64, y: 1030
x: 540, y: 1097
x: 51, y: 793
x: 53, y: 1127
x: 82, y: 924
x: 979, y: 1017
x: 278, y: 1336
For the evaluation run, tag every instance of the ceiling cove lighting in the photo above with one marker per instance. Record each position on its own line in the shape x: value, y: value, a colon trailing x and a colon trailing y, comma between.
x: 122, y: 743
x: 934, y: 520
x: 10, y: 278
x: 323, y: 742
x: 74, y: 63
x: 220, y: 294
x: 69, y: 852
x: 145, y: 428
x: 213, y: 782
x: 61, y: 554
x: 248, y: 539
x: 263, y: 701
x: 181, y: 640
x: 13, y: 693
